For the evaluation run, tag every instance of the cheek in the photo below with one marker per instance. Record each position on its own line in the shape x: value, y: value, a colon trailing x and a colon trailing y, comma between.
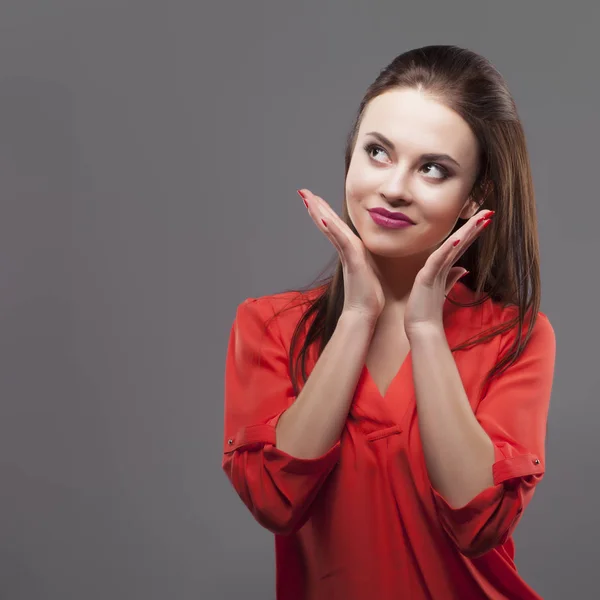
x: 362, y: 178
x: 360, y: 189
x: 351, y: 202
x: 354, y: 191
x: 443, y: 203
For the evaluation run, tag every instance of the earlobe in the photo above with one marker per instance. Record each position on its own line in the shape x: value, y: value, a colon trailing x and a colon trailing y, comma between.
x: 471, y: 207
x: 474, y: 203
x: 477, y: 199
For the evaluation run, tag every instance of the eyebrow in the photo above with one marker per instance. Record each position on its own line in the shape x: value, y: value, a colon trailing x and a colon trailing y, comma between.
x: 428, y: 157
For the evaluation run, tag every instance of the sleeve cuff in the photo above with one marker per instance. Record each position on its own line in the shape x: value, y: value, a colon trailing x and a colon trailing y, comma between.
x: 522, y: 465
x: 256, y: 437
x: 505, y: 469
x: 489, y: 518
x: 252, y: 437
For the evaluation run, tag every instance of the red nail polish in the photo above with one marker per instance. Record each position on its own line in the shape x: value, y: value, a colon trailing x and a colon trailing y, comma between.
x: 487, y: 223
x: 480, y: 221
x: 303, y: 198
x: 456, y: 243
x: 324, y: 222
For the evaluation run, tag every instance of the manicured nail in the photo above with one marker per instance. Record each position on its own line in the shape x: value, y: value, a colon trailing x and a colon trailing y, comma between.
x: 303, y: 198
x: 456, y: 243
x: 489, y: 216
x: 466, y: 273
x: 487, y: 223
x: 324, y: 222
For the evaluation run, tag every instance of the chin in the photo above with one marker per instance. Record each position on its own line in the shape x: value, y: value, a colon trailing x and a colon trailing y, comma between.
x: 389, y: 248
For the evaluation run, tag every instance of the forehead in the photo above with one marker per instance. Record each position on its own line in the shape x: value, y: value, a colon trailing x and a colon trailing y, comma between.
x: 416, y: 122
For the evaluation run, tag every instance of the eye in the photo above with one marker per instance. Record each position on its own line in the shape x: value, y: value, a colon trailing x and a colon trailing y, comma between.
x: 432, y: 168
x: 376, y: 152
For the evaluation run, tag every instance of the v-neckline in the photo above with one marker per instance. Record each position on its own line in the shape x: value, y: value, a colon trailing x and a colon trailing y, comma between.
x: 459, y: 289
x: 403, y: 366
x: 395, y: 406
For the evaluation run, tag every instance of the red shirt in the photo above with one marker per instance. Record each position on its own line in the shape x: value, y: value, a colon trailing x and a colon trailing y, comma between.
x: 363, y: 521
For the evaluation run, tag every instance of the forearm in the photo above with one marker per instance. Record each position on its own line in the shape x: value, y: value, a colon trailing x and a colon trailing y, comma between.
x: 315, y: 420
x: 458, y: 452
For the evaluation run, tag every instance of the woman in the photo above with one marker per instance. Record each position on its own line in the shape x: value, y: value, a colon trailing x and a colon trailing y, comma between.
x: 389, y: 424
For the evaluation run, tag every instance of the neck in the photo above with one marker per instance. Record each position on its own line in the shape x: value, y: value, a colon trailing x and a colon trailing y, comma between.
x: 397, y: 276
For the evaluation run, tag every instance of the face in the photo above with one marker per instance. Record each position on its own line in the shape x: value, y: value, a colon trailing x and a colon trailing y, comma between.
x: 415, y: 157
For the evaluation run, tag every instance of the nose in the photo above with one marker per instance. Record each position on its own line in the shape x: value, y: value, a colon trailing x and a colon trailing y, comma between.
x: 396, y: 186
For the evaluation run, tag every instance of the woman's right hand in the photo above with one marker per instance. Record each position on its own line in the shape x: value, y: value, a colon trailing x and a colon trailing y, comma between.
x: 362, y: 290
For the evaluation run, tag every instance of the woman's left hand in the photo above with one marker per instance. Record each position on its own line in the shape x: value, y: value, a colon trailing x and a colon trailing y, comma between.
x: 424, y: 308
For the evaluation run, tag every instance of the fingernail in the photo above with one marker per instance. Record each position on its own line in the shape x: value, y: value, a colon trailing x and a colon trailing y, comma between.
x: 465, y: 273
x: 456, y: 243
x: 487, y: 223
x: 489, y: 216
x: 303, y: 198
x: 324, y: 222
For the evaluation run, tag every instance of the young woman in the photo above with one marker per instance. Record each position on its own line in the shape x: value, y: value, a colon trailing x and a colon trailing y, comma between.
x: 388, y: 425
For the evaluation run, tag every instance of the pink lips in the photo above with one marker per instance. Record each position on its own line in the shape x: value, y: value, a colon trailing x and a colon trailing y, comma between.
x: 389, y: 219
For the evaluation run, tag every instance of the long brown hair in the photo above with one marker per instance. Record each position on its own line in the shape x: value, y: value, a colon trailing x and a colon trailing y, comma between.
x: 504, y: 264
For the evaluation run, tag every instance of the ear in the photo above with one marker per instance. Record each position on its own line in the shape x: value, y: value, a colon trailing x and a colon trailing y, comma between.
x: 475, y: 201
x: 469, y: 209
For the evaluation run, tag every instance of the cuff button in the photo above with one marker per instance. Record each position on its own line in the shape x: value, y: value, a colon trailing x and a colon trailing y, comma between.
x: 536, y: 461
x: 230, y: 442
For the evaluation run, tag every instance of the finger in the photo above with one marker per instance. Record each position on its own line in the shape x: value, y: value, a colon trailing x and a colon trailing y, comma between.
x: 316, y: 214
x: 330, y: 212
x: 457, y: 244
x: 313, y: 208
x: 317, y: 209
x: 331, y: 215
x: 453, y: 276
x: 341, y: 232
x: 348, y: 253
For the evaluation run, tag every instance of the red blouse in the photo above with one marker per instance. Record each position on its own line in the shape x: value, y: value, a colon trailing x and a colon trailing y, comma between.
x: 363, y: 521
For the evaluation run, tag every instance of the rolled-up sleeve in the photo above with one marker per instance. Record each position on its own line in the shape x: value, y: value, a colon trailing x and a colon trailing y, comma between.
x: 514, y: 413
x: 277, y: 488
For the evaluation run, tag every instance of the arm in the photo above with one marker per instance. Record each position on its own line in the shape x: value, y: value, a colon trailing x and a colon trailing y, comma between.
x: 316, y: 419
x: 484, y: 466
x: 276, y: 469
x: 459, y: 454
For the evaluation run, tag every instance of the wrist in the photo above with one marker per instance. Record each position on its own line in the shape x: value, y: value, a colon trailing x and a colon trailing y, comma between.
x: 358, y: 318
x: 425, y: 331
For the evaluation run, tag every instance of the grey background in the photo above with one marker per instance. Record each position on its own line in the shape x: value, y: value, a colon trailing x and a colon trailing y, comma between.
x: 149, y: 157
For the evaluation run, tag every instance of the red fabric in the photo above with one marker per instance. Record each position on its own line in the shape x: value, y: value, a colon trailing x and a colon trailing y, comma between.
x: 363, y: 521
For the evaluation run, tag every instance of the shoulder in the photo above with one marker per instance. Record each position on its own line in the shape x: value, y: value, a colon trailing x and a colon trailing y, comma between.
x: 494, y: 313
x: 281, y: 310
x: 542, y: 327
x: 540, y: 338
x: 501, y: 321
